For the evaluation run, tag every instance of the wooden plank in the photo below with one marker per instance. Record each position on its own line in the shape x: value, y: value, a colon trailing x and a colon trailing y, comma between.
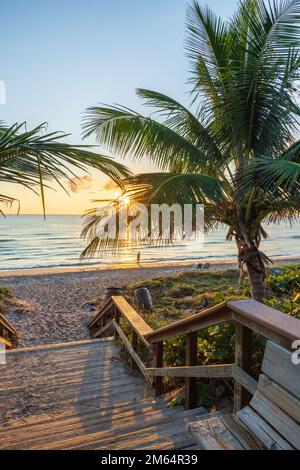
x: 104, y: 309
x: 102, y: 330
x: 134, y: 344
x: 7, y: 325
x: 209, y: 317
x: 280, y: 421
x: 271, y: 439
x: 243, y: 359
x: 260, y: 330
x: 283, y: 399
x: 248, y: 382
x: 157, y: 362
x: 136, y: 321
x: 212, y: 434
x: 131, y: 351
x: 221, y: 371
x: 272, y: 321
x: 247, y: 438
x: 117, y: 320
x: 6, y: 342
x: 277, y: 365
x: 191, y: 361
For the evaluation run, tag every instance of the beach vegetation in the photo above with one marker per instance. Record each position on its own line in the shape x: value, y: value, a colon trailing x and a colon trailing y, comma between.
x: 5, y: 296
x: 216, y: 345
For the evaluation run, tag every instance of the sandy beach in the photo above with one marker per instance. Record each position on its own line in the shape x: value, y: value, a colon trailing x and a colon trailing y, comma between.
x: 53, y: 306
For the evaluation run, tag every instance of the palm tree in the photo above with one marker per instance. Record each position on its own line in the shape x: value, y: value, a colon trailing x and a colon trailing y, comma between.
x: 34, y: 158
x: 234, y: 149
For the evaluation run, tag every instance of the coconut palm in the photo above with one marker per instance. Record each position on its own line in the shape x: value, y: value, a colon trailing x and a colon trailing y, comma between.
x: 234, y: 150
x: 34, y: 158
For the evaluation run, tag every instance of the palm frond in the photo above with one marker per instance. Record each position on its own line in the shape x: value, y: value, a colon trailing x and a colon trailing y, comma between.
x: 278, y: 179
x: 127, y: 133
x: 32, y: 158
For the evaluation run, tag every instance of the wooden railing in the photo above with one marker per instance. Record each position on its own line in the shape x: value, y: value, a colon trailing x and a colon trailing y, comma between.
x: 7, y: 332
x: 248, y: 316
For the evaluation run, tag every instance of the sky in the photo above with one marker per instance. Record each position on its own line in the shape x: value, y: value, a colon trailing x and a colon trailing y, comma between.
x: 58, y: 57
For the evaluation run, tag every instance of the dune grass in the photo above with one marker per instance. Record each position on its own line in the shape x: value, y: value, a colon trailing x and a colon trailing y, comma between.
x: 5, y: 295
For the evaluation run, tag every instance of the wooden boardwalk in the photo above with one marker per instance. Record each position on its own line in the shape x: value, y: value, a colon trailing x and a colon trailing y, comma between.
x: 80, y: 396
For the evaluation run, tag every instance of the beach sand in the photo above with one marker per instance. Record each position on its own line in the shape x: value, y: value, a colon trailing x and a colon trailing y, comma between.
x: 52, y: 306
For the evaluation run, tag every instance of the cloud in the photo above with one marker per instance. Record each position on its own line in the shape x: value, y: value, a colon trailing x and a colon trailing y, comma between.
x: 82, y: 183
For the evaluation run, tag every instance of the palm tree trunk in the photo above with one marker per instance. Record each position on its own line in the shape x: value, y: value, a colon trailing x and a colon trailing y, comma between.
x: 256, y: 280
x: 249, y: 256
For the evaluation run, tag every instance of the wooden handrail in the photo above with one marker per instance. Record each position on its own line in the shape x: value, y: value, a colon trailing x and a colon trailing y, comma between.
x: 132, y: 352
x: 6, y: 342
x: 138, y: 324
x: 248, y: 315
x: 209, y: 317
x: 257, y: 316
x: 103, y: 310
x: 7, y: 328
x: 266, y: 321
x: 5, y: 324
x: 221, y: 371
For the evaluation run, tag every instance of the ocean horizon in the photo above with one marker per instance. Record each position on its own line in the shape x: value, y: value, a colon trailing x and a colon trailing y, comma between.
x: 29, y: 241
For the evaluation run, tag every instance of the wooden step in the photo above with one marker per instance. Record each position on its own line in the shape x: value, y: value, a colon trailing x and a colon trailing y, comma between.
x: 102, y: 425
x: 77, y: 396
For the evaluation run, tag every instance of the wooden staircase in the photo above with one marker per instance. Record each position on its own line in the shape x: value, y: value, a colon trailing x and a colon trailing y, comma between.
x: 80, y: 396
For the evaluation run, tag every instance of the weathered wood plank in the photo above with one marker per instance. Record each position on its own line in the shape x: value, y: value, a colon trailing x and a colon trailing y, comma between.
x: 248, y: 382
x: 277, y: 365
x: 277, y: 418
x: 243, y: 359
x: 274, y: 324
x: 134, y: 355
x: 221, y: 371
x: 212, y: 316
x: 5, y: 341
x: 157, y: 362
x: 103, y: 310
x: 102, y: 330
x: 271, y: 439
x: 7, y: 325
x: 134, y: 344
x: 247, y: 439
x: 191, y: 361
x: 212, y: 434
x: 136, y: 321
x: 283, y: 399
x: 117, y: 320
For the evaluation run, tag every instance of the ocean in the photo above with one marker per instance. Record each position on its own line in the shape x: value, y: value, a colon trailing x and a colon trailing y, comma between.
x: 29, y: 241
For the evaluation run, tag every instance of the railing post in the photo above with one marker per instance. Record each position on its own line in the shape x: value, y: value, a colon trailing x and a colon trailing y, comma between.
x: 243, y: 359
x: 134, y: 342
x: 157, y: 362
x: 191, y: 360
x: 117, y: 320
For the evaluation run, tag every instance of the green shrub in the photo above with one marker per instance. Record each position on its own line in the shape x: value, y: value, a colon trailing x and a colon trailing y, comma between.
x: 287, y: 282
x: 181, y: 296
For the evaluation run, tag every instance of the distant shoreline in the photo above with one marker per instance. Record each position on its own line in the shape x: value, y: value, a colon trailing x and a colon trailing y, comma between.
x: 220, y: 264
